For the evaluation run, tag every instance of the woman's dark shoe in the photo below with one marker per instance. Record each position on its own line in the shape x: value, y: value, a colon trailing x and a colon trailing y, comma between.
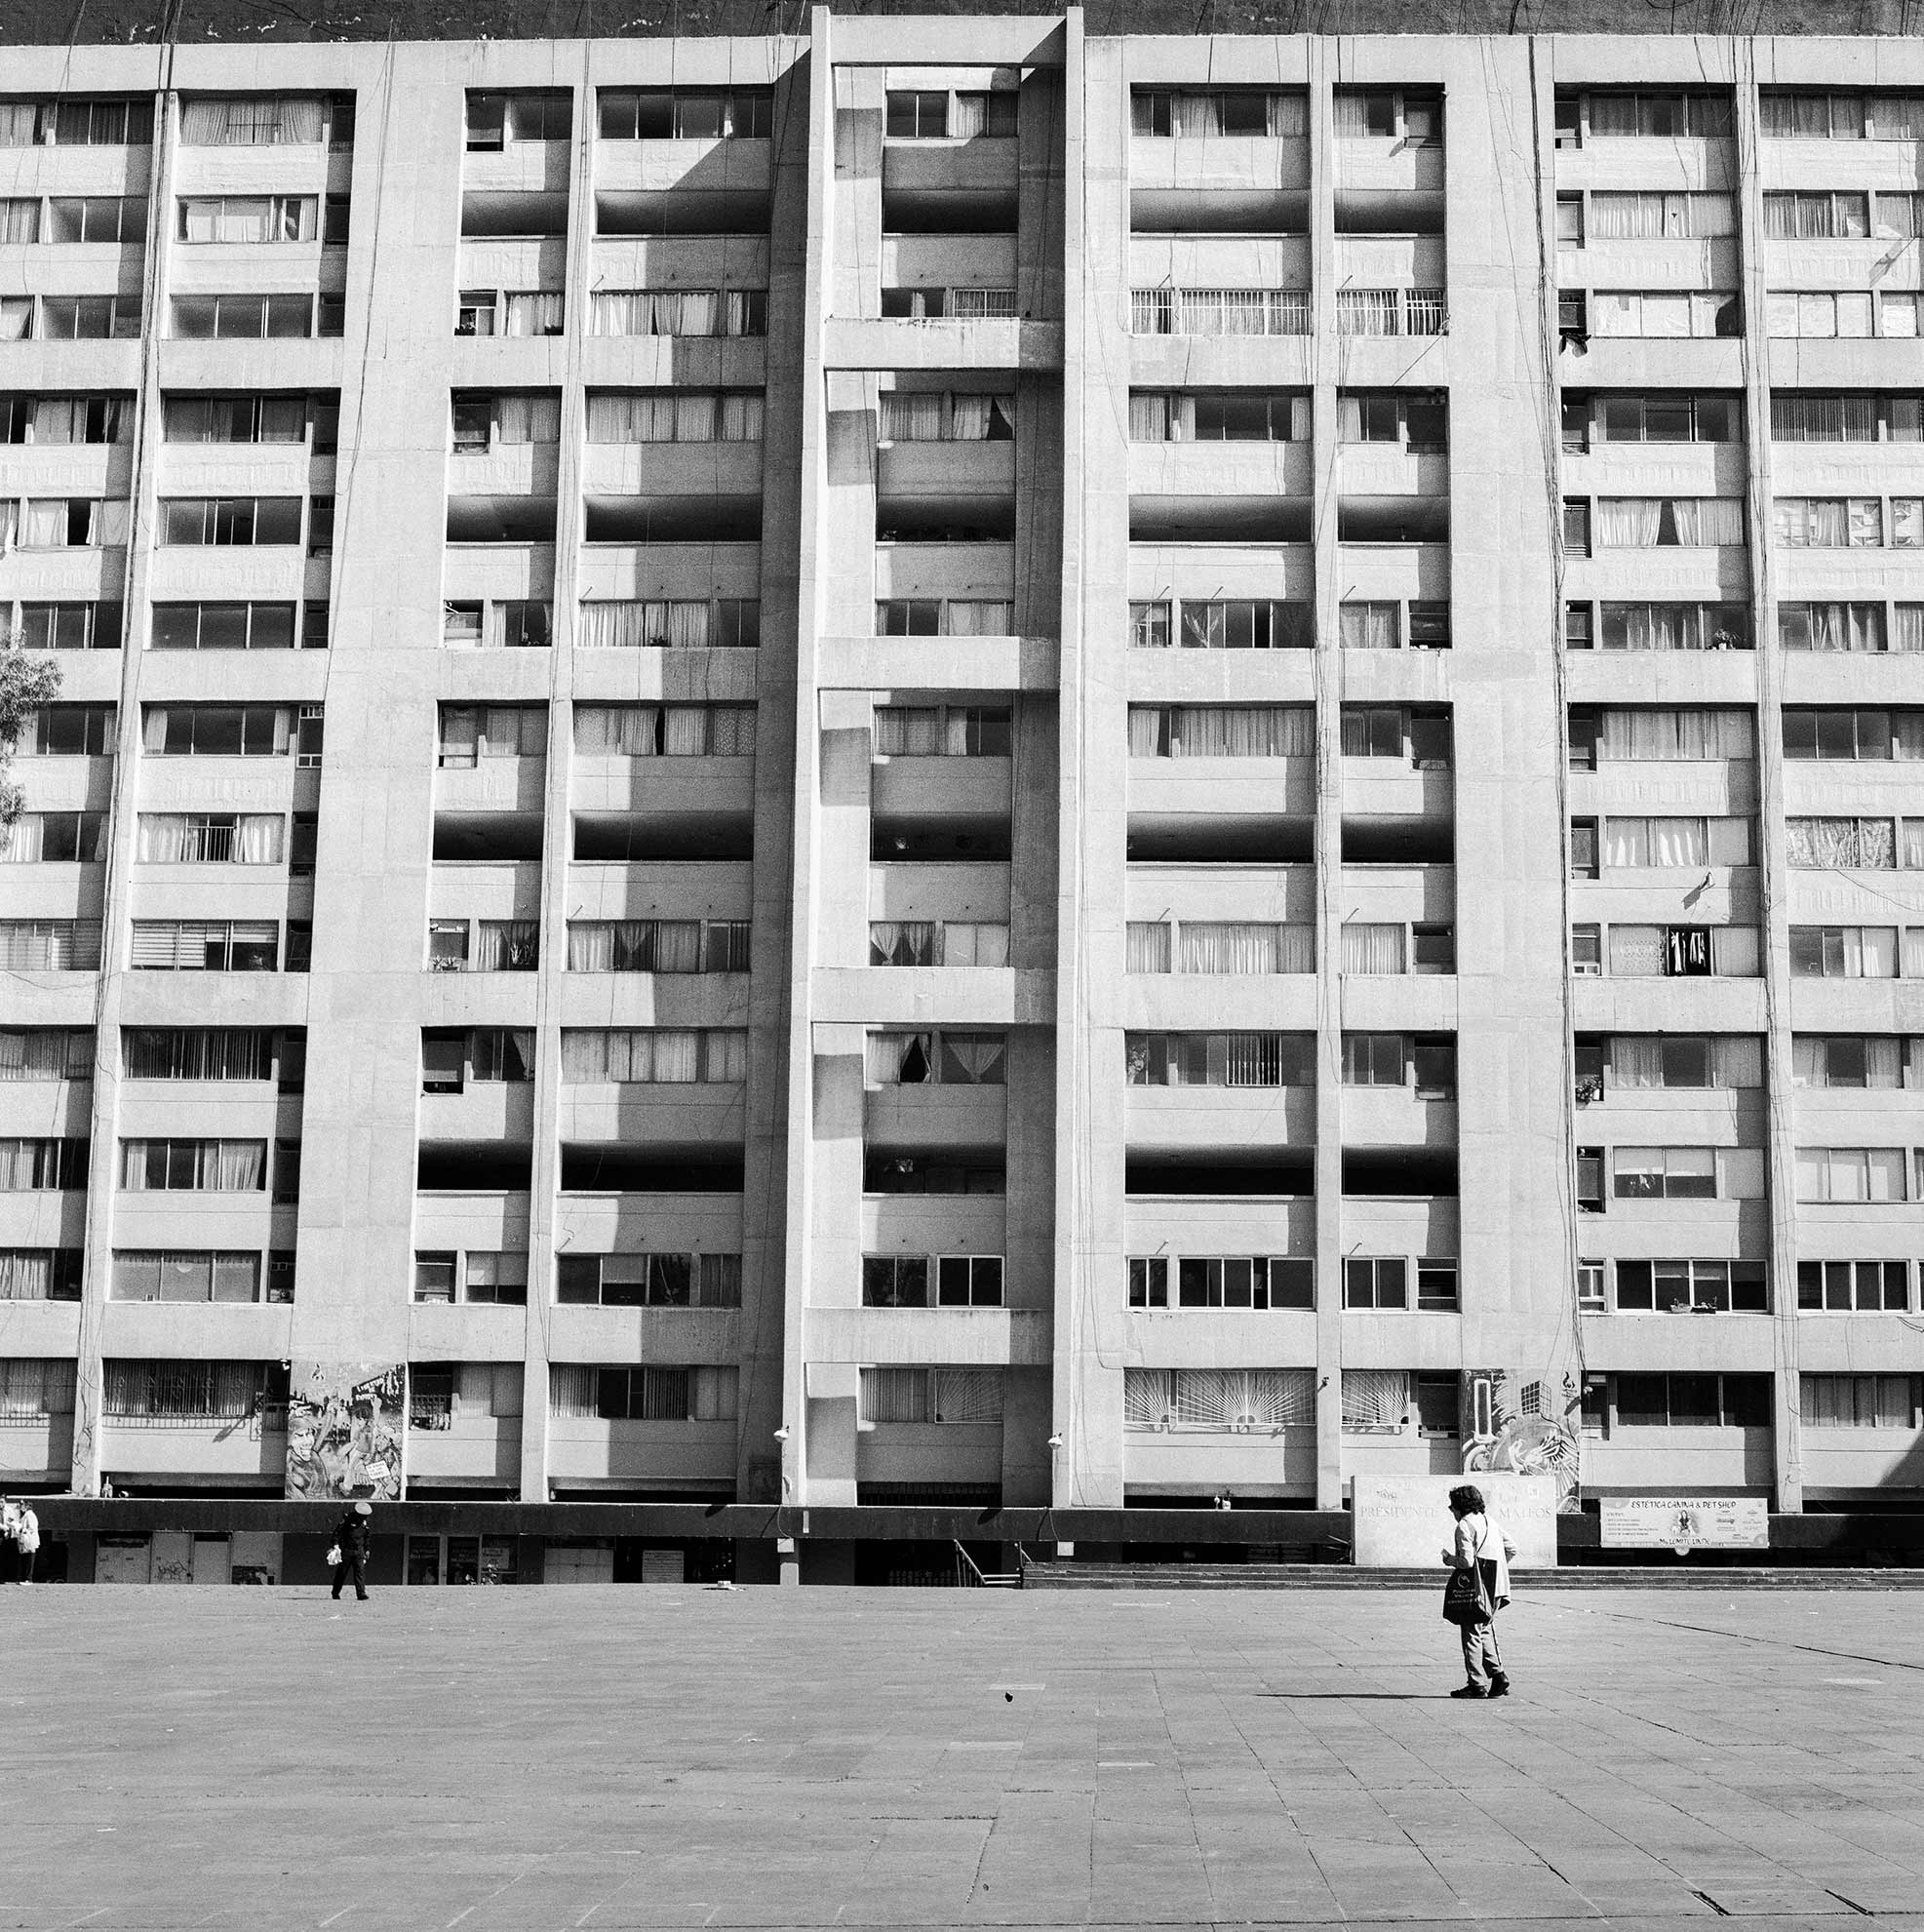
x: 1499, y: 1684
x: 1471, y: 1690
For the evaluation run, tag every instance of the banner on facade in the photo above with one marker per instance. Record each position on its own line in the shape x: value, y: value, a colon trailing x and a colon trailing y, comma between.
x: 346, y: 1425
x: 1684, y: 1522
x: 1405, y: 1522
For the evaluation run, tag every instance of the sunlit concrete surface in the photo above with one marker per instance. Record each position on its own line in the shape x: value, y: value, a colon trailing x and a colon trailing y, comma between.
x: 666, y: 1756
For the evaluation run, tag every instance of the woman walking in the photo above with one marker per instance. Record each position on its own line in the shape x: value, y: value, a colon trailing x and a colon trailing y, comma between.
x: 1479, y: 1588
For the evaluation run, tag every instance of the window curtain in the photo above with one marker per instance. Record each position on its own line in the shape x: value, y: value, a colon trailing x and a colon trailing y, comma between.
x: 910, y: 416
x: 503, y: 945
x: 673, y: 625
x: 528, y: 419
x: 1370, y: 626
x: 1373, y: 948
x: 1233, y: 946
x: 1151, y: 418
x: 905, y: 731
x: 1219, y: 731
x: 1148, y: 946
x: 19, y: 219
x: 536, y: 312
x: 1659, y: 733
x: 626, y: 731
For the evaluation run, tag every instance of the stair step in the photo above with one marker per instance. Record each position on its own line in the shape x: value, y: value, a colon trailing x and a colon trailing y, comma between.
x: 1343, y: 1576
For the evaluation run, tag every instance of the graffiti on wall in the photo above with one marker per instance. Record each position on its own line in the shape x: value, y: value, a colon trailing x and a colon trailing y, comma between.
x: 1523, y: 1427
x: 346, y: 1424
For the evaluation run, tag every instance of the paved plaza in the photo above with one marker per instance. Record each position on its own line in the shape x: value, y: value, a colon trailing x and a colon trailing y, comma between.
x: 676, y: 1756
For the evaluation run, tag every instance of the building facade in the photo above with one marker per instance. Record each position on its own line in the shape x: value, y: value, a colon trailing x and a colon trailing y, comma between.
x: 909, y: 766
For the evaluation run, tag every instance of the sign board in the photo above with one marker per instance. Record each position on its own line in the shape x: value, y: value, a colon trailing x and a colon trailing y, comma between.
x: 1685, y: 1522
x: 1403, y: 1522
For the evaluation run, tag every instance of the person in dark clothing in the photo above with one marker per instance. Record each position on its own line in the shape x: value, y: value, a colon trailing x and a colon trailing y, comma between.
x: 351, y: 1536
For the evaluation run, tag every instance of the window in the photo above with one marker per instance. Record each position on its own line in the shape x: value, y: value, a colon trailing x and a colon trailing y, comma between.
x: 1829, y: 523
x: 39, y: 1273
x: 657, y: 945
x: 686, y: 113
x: 1219, y: 1400
x: 675, y: 415
x: 1671, y: 843
x: 1798, y: 116
x: 472, y: 733
x: 1692, y: 1401
x: 1252, y: 1281
x: 495, y: 120
x: 1220, y: 946
x: 68, y: 122
x: 247, y: 317
x: 936, y: 114
x: 195, y: 1167
x: 1639, y: 1062
x: 452, y: 1057
x: 1222, y: 730
x: 194, y: 1392
x: 246, y: 218
x: 1224, y: 625
x: 230, y: 520
x: 1822, y: 315
x: 1194, y: 113
x: 1664, y: 314
x: 642, y: 1395
x: 63, y: 522
x: 946, y: 416
x: 63, y: 419
x: 218, y: 731
x: 1670, y: 417
x: 1220, y: 1059
x: 1856, y: 1060
x: 185, y: 1275
x: 54, y: 838
x: 1667, y: 114
x: 1418, y: 734
x: 1148, y: 1281
x: 679, y: 624
x: 1413, y: 419
x: 948, y: 1058
x: 1409, y: 115
x: 895, y: 1281
x: 1847, y: 1286
x: 42, y: 1165
x: 1823, y: 214
x: 1575, y: 525
x: 267, y: 120
x: 49, y: 945
x: 94, y: 626
x: 1436, y: 1287
x: 71, y: 318
x: 938, y: 942
x: 1851, y: 1174
x: 665, y: 731
x: 1859, y: 1402
x: 482, y: 420
x: 1641, y: 217
x: 954, y: 1396
x: 1840, y: 732
x: 224, y: 626
x: 210, y: 838
x: 1381, y: 1281
x: 1170, y: 311
x: 673, y: 312
x: 1687, y: 1173
x: 211, y: 1052
x: 202, y: 945
x: 46, y: 1053
x: 1692, y: 1287
x: 650, y: 1281
x: 1844, y: 952
x: 1838, y: 627
x: 663, y: 1055
x: 1583, y: 849
x: 1390, y: 312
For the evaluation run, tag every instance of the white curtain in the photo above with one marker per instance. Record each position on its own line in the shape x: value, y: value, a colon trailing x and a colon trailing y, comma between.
x: 1370, y: 626
x: 528, y: 419
x: 536, y: 312
x: 673, y: 623
x: 1146, y: 946
x: 1373, y: 948
x: 252, y: 120
x: 19, y: 219
x: 1242, y: 946
x: 1666, y: 734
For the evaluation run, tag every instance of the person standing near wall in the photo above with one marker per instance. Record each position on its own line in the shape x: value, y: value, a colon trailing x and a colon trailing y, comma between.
x: 1479, y: 1588
x: 350, y: 1550
x: 27, y: 1538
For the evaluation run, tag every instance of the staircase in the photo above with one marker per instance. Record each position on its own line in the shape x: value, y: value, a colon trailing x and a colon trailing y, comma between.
x: 1343, y: 1576
x: 970, y: 1576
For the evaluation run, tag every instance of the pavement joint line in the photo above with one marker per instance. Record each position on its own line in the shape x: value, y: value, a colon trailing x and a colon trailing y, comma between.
x: 1741, y: 1636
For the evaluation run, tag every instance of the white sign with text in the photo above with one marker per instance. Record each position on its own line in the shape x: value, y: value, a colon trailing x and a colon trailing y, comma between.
x: 1403, y: 1522
x: 1696, y: 1523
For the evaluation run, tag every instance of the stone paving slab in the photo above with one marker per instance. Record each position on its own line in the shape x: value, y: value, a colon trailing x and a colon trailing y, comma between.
x: 589, y: 1759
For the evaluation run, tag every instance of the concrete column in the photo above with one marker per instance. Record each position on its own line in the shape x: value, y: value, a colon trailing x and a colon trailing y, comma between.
x: 1787, y: 1435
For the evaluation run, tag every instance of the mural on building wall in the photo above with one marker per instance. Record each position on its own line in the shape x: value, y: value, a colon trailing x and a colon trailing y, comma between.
x: 1524, y: 1427
x: 346, y: 1424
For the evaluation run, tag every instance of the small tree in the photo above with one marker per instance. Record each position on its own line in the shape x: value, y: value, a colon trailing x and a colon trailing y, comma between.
x: 27, y: 682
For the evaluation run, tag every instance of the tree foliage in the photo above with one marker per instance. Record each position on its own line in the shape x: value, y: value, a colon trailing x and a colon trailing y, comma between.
x: 27, y: 682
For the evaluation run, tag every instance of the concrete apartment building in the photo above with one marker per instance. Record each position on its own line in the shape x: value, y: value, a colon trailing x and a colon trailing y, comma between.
x: 955, y: 764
